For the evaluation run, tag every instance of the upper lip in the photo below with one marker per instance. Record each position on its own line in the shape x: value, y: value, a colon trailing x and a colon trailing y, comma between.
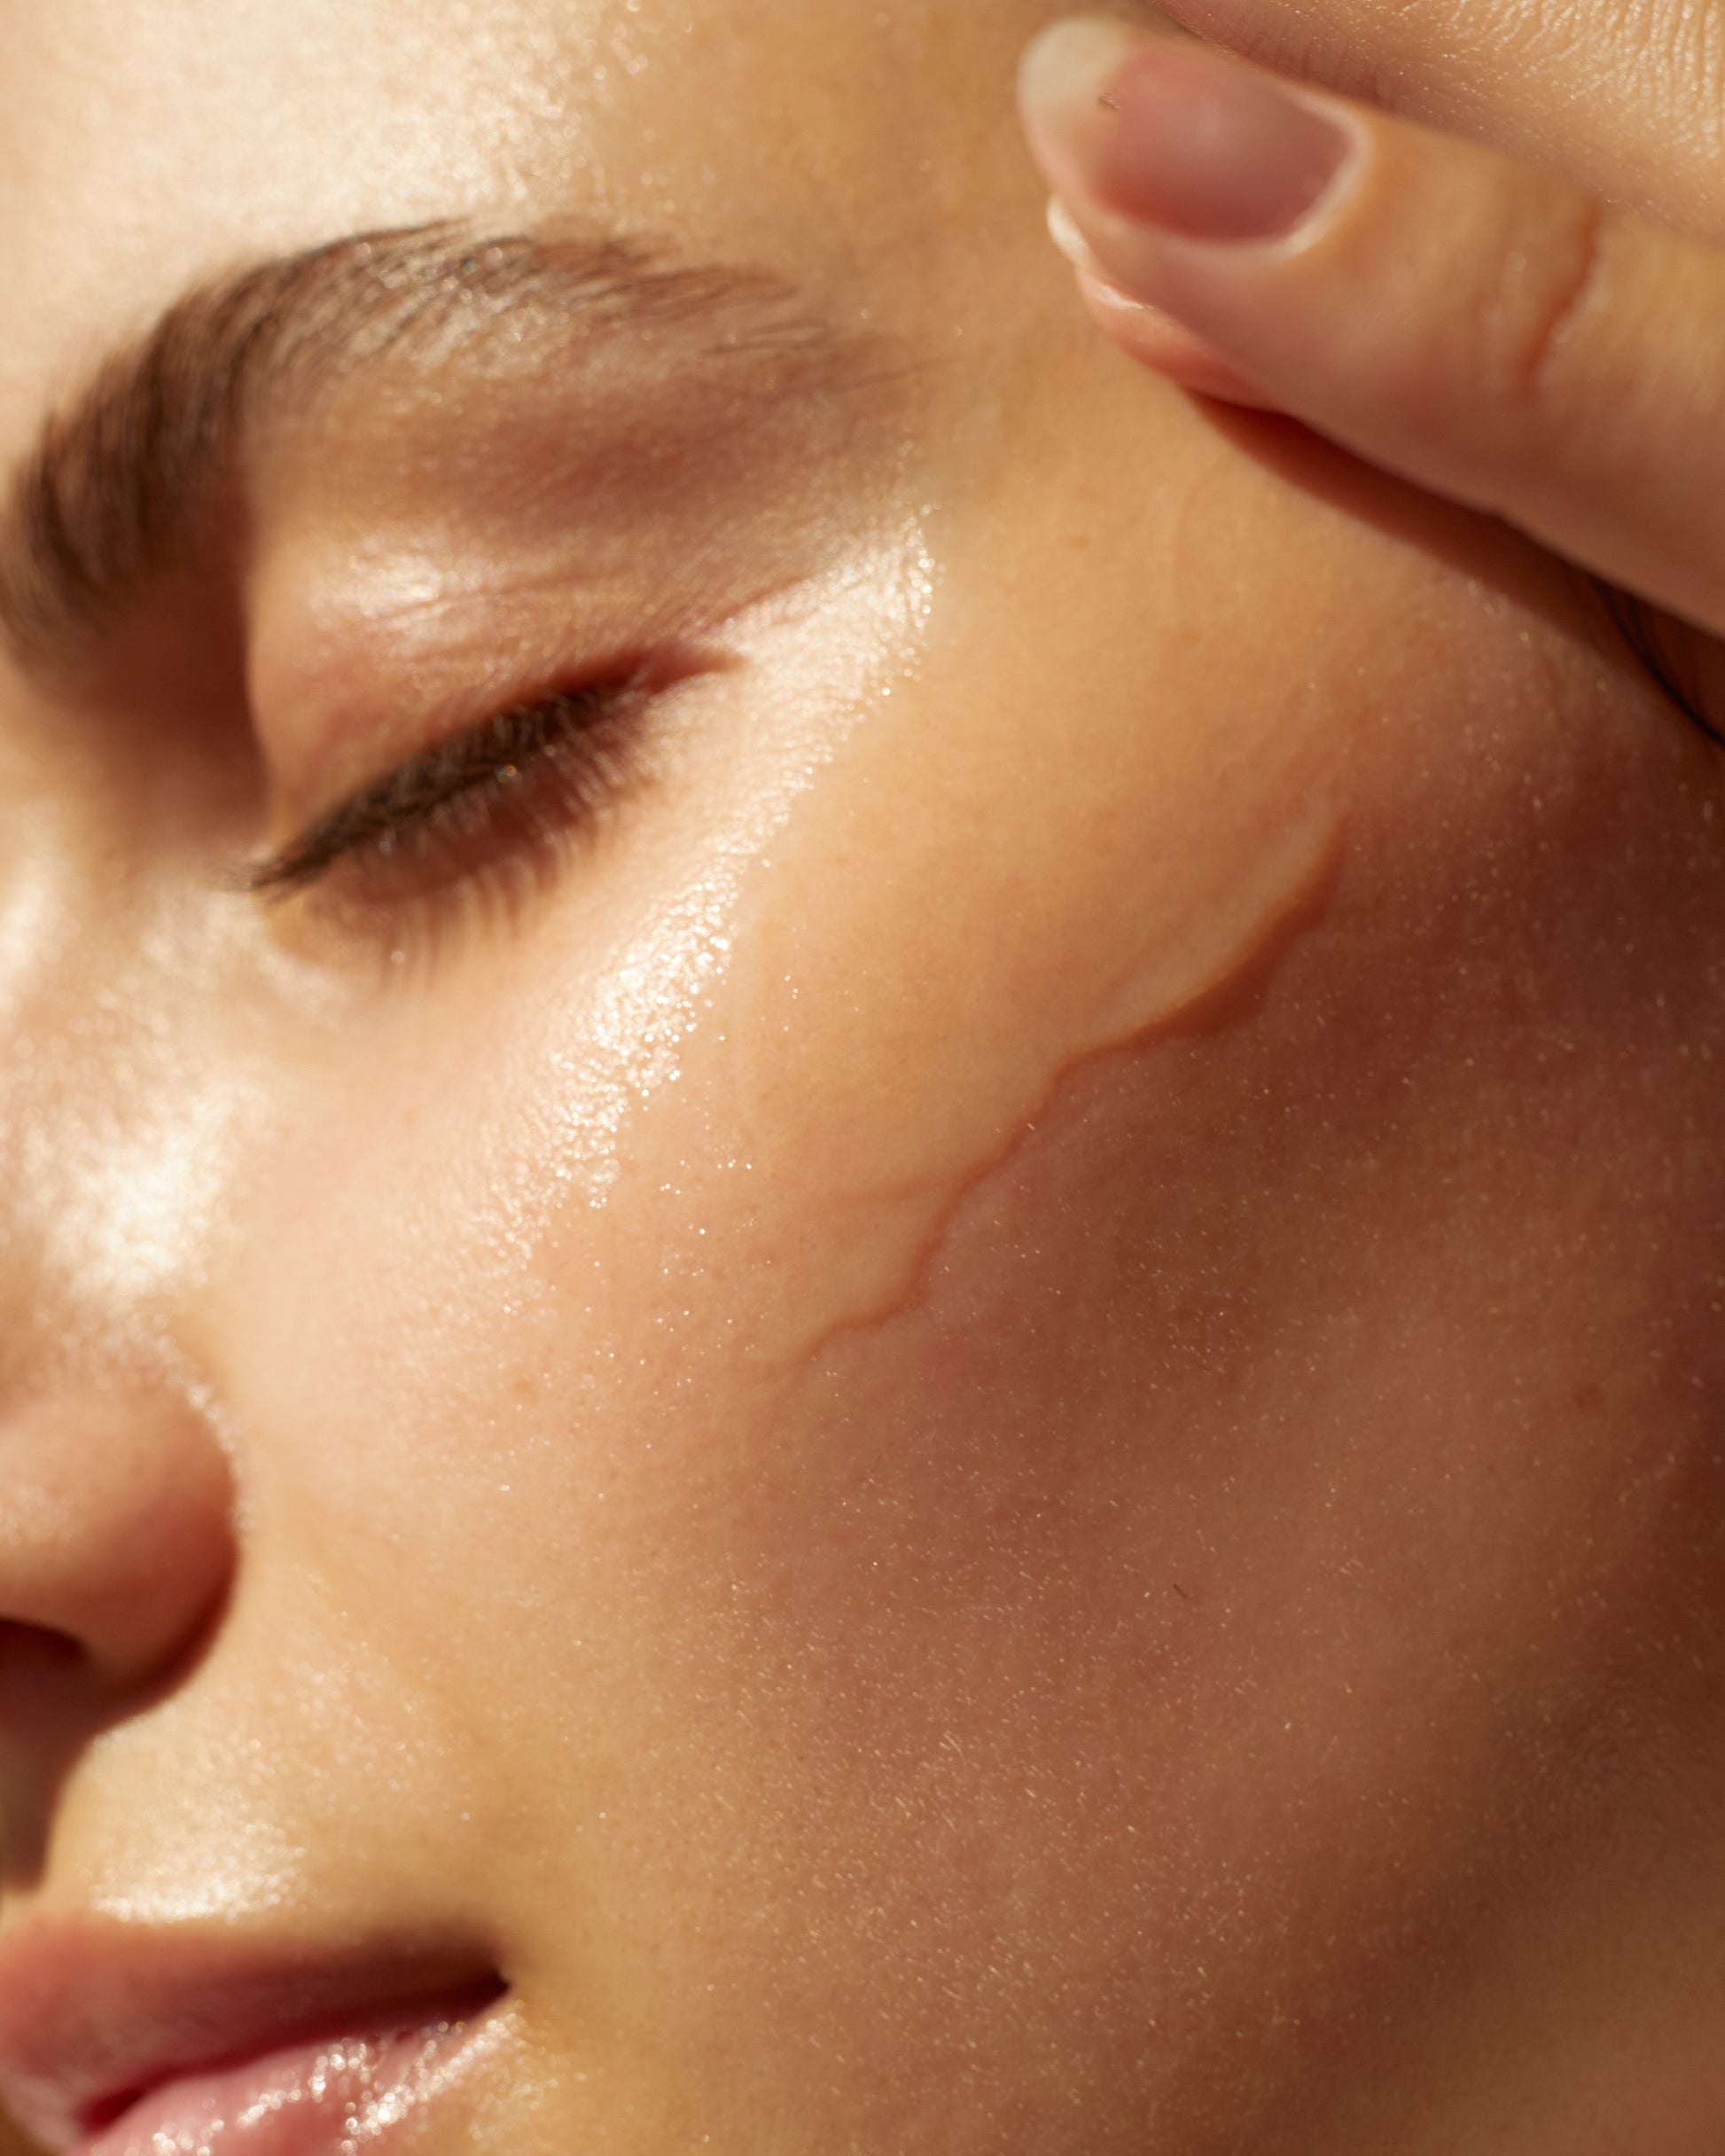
x: 96, y: 2015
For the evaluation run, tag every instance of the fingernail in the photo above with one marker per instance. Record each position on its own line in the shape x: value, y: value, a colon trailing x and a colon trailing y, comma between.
x: 1171, y: 135
x: 1067, y: 236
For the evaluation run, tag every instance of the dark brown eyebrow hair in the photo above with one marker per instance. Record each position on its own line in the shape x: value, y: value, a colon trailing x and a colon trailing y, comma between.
x: 114, y: 487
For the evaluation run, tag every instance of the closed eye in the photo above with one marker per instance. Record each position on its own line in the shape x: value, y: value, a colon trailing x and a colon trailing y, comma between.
x: 509, y: 785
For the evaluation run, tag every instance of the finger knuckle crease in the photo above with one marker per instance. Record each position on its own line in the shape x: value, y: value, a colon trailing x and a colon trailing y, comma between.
x: 1537, y: 333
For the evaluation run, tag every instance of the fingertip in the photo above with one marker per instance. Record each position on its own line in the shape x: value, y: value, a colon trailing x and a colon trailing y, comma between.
x: 1145, y: 333
x: 1060, y: 74
x: 1166, y: 346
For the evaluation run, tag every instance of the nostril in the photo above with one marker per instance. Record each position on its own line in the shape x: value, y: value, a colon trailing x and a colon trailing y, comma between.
x: 56, y: 1699
x: 116, y: 1543
x: 48, y: 1712
x: 26, y: 1645
x: 116, y: 1564
x: 42, y: 1673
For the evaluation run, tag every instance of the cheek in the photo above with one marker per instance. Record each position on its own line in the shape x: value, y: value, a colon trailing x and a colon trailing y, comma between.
x: 981, y: 1467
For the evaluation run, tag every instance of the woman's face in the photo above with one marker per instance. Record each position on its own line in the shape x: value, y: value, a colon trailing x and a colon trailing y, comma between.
x: 959, y: 1377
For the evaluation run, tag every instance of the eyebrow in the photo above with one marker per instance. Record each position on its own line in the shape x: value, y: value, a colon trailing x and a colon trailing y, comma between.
x: 113, y: 490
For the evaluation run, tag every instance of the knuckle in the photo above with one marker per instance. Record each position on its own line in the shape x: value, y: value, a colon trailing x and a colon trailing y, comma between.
x: 1540, y: 297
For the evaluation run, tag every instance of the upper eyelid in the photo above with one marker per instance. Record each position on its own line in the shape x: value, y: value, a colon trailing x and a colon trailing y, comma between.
x: 331, y: 693
x: 440, y: 772
x: 603, y: 690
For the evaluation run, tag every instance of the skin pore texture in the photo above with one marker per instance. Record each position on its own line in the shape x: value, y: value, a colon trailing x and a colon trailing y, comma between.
x: 990, y: 1428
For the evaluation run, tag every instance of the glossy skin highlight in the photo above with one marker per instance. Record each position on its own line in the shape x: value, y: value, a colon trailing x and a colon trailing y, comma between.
x: 999, y: 1434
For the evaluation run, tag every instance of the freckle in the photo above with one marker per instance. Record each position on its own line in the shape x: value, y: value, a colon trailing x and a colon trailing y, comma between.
x: 1586, y: 1396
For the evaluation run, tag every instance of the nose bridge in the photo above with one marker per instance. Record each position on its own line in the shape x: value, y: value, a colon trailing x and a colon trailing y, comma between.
x: 115, y: 1492
x: 113, y: 1142
x: 35, y: 945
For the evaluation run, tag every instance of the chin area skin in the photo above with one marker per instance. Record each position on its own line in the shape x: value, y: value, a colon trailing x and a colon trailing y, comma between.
x: 948, y: 1381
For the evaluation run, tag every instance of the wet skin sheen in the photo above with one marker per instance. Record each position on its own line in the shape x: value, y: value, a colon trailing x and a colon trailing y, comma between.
x: 992, y: 1426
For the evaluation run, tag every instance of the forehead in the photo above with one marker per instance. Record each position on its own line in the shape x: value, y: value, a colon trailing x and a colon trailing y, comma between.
x: 145, y: 145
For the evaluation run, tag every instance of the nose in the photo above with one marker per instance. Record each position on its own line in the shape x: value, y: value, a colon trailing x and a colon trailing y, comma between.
x: 116, y: 1533
x: 117, y: 1539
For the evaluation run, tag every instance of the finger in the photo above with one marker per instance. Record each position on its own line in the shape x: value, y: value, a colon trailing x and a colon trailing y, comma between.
x: 1625, y: 96
x: 1483, y: 329
x: 1145, y: 333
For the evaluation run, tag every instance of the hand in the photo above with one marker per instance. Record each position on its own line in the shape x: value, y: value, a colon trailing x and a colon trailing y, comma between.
x: 1544, y: 340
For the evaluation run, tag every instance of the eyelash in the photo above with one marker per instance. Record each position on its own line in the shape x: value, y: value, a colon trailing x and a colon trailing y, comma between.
x: 499, y: 802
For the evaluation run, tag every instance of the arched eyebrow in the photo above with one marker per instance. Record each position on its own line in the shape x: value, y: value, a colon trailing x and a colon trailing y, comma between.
x: 112, y: 492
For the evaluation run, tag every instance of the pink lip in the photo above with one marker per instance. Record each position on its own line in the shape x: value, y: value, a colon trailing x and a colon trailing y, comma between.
x: 122, y: 2043
x: 314, y: 2100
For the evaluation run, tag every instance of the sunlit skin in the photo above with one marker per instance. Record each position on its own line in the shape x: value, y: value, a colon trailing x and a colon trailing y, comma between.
x: 991, y: 1429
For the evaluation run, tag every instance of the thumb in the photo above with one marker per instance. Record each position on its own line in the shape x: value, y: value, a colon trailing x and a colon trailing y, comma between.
x: 1485, y: 329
